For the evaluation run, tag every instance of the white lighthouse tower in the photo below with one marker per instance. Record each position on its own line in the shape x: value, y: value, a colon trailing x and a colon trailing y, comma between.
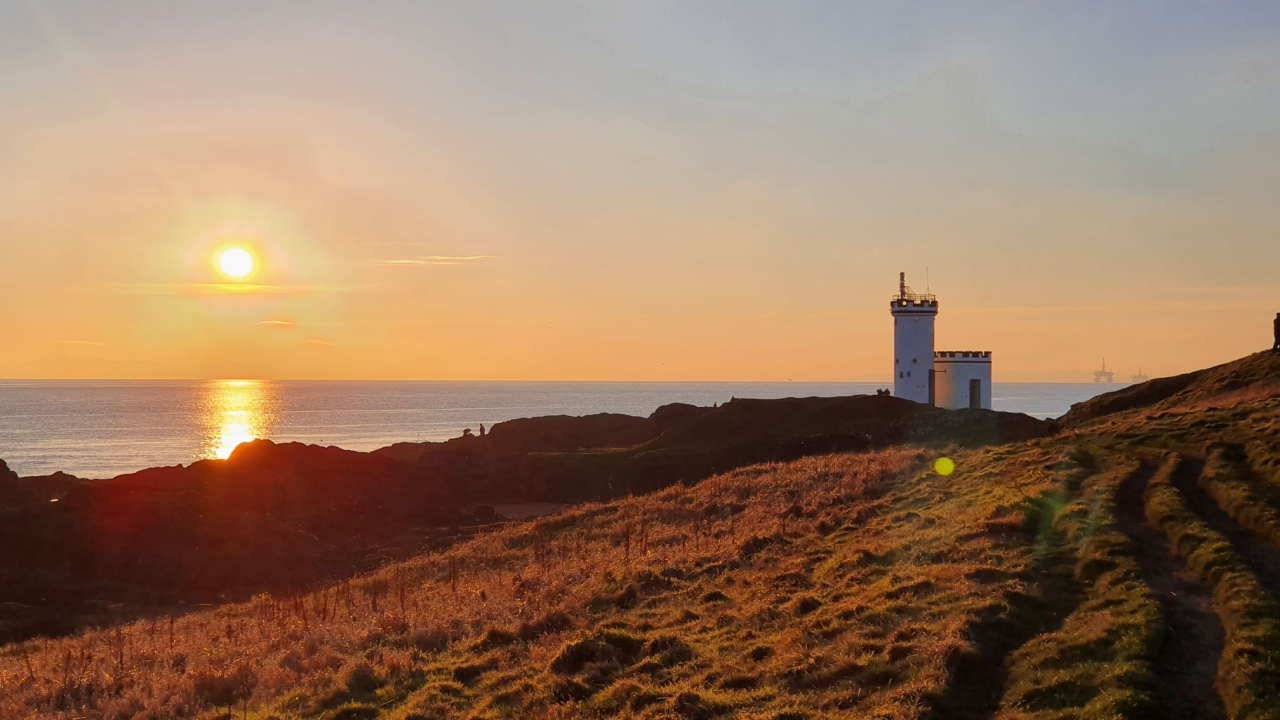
x: 913, y: 315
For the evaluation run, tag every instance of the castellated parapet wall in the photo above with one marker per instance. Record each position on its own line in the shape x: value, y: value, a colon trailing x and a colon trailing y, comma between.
x: 971, y: 355
x: 962, y: 379
x: 905, y: 303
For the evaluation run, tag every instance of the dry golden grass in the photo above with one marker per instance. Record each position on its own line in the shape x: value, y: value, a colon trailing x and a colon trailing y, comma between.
x: 860, y: 585
x: 823, y: 585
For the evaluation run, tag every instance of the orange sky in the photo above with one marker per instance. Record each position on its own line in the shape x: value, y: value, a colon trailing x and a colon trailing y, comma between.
x: 643, y: 191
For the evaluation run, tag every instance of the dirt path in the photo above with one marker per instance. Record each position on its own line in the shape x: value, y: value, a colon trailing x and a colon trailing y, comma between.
x: 1188, y: 660
x: 1261, y: 556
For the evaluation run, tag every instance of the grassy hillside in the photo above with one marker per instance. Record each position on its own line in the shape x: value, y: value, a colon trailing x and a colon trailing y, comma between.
x: 1126, y: 567
x: 276, y: 517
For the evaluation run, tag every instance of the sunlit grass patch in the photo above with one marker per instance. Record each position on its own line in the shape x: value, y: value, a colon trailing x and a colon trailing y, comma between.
x: 1099, y: 662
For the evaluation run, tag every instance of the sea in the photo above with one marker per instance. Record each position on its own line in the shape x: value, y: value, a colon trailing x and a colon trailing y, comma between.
x: 104, y: 428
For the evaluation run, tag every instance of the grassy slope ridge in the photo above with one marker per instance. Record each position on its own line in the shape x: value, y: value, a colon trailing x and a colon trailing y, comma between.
x: 853, y: 584
x: 1255, y: 376
x: 277, y: 517
x: 831, y: 583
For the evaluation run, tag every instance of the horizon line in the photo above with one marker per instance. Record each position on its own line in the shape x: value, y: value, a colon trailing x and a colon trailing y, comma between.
x: 525, y: 380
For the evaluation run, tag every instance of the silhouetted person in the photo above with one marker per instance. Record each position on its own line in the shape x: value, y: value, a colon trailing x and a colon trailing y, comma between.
x: 481, y: 429
x: 1276, y: 345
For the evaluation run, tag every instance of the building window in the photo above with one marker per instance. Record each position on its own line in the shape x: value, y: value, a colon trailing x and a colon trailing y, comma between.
x: 913, y: 361
x: 908, y: 373
x: 899, y: 374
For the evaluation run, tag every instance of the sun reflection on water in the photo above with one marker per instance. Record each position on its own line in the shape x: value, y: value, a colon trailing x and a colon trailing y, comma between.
x: 233, y: 412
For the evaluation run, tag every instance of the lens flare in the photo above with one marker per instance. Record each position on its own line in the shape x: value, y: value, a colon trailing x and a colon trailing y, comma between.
x: 944, y: 466
x: 236, y: 262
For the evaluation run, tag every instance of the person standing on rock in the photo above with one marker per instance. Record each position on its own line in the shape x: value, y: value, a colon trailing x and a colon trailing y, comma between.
x: 1275, y: 346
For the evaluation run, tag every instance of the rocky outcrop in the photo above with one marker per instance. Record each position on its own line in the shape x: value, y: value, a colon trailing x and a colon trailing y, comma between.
x: 20, y: 491
x: 563, y: 433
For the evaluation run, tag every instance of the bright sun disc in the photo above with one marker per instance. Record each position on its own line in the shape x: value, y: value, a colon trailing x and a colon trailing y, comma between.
x: 236, y: 262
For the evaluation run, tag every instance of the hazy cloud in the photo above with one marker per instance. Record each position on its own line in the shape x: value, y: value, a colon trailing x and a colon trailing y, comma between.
x: 1254, y: 71
x: 439, y: 260
x: 229, y: 289
x: 81, y: 342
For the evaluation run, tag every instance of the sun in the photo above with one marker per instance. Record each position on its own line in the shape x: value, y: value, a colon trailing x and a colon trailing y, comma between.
x: 236, y: 262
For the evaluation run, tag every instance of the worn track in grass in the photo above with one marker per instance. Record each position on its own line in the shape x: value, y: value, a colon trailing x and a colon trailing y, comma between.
x: 1261, y: 556
x: 1188, y: 661
x: 978, y: 678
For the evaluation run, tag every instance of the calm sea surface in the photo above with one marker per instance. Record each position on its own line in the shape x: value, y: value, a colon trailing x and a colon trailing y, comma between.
x: 98, y: 429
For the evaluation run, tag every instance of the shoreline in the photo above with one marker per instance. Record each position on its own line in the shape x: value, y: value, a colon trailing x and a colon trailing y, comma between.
x: 104, y: 432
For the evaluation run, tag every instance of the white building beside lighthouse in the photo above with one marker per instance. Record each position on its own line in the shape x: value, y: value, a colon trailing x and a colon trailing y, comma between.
x: 962, y: 379
x: 952, y: 379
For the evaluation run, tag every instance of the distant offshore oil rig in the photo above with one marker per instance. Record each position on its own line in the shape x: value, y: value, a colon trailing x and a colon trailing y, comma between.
x: 1104, y: 375
x: 1108, y: 376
